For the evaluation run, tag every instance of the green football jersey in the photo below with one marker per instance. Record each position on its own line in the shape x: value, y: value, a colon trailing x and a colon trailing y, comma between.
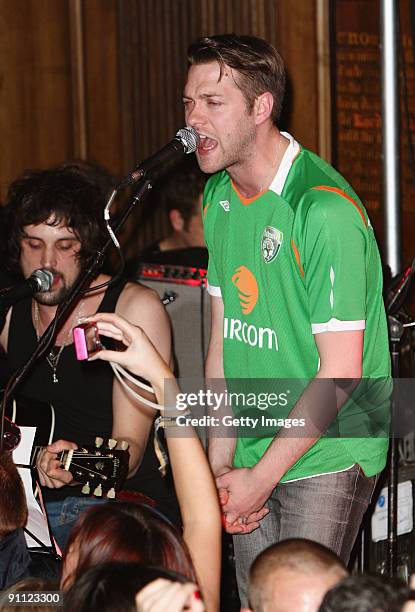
x: 297, y: 260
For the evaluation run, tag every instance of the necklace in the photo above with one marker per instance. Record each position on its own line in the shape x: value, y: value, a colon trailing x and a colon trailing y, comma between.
x: 55, y: 352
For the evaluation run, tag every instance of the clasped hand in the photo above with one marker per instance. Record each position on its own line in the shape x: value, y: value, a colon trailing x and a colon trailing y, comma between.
x: 242, y: 500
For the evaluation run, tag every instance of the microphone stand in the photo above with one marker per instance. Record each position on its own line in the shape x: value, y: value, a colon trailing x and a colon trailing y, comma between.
x: 396, y: 330
x: 45, y: 341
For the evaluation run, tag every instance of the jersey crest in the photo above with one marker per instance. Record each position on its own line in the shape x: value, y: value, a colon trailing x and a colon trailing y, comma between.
x: 271, y: 242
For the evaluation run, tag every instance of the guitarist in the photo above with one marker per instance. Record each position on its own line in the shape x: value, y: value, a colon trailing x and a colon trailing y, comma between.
x: 55, y: 222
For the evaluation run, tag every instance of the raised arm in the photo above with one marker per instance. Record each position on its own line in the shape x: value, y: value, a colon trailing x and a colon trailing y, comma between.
x: 195, y: 487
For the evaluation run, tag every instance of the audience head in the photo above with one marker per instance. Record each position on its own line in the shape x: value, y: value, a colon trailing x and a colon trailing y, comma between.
x: 182, y: 194
x: 293, y: 575
x: 112, y: 587
x: 54, y: 197
x: 124, y: 532
x: 13, y: 506
x: 28, y: 584
x: 366, y: 594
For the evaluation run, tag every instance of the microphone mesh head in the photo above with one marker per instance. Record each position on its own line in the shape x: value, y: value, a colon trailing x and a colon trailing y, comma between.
x: 189, y: 139
x: 44, y: 279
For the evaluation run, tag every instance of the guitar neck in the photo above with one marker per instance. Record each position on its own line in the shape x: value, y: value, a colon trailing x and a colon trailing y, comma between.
x: 36, y: 452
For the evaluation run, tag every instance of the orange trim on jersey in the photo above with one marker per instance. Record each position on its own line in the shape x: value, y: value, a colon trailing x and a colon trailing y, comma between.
x: 297, y: 256
x: 205, y: 209
x: 342, y: 193
x: 246, y: 201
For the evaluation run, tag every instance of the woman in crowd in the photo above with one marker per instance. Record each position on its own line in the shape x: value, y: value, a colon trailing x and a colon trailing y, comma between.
x: 113, y: 587
x: 193, y: 480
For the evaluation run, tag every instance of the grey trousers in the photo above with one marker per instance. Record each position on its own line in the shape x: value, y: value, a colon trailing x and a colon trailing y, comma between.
x: 326, y: 509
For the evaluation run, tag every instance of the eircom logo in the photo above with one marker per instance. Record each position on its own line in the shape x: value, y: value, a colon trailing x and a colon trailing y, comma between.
x: 235, y: 329
x: 247, y: 286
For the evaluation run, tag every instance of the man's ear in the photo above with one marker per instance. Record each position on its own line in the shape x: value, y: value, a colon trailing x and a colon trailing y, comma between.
x: 176, y: 220
x: 264, y: 104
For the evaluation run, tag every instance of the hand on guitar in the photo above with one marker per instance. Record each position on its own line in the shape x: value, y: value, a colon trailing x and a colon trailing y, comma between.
x: 51, y: 473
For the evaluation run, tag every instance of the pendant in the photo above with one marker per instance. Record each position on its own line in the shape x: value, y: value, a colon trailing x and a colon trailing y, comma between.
x: 55, y: 378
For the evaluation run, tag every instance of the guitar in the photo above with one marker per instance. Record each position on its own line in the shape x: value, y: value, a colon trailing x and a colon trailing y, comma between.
x: 101, y: 469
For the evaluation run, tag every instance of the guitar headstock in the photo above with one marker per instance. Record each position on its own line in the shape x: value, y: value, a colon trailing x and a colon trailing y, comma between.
x: 101, y: 469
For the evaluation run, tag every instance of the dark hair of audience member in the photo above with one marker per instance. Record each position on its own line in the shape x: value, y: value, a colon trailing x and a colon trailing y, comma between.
x: 182, y: 189
x: 111, y: 587
x: 28, y: 584
x: 294, y: 554
x: 364, y: 593
x: 124, y: 532
x: 13, y: 506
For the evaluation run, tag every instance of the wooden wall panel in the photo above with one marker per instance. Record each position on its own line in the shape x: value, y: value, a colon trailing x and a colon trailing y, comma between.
x: 154, y: 36
x: 103, y: 79
x: 357, y: 81
x: 35, y: 96
x: 103, y: 108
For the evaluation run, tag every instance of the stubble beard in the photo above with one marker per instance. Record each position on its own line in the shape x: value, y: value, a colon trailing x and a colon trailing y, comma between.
x: 52, y: 298
x: 237, y: 151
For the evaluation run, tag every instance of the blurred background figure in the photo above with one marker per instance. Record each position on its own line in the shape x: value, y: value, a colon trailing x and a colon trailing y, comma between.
x: 180, y: 196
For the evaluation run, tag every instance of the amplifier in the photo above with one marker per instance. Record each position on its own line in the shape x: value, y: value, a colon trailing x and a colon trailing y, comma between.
x: 183, y: 292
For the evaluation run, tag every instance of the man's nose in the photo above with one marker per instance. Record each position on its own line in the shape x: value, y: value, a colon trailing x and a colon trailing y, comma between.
x: 194, y: 116
x: 48, y: 259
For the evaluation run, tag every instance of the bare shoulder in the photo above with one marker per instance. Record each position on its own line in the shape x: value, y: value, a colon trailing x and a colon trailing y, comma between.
x: 135, y: 296
x: 142, y: 306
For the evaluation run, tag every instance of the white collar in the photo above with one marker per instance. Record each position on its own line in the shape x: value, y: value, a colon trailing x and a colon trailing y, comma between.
x: 290, y: 154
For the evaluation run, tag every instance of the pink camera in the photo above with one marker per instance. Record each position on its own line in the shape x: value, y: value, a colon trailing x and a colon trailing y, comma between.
x: 86, y: 340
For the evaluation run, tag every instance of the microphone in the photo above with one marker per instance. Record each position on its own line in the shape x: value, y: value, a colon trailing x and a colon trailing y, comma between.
x: 38, y: 282
x: 185, y: 141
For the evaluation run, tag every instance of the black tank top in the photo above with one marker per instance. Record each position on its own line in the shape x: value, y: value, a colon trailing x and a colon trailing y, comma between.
x: 81, y: 399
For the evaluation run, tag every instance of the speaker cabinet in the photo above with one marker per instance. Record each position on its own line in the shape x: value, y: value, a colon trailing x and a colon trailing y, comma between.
x: 183, y: 291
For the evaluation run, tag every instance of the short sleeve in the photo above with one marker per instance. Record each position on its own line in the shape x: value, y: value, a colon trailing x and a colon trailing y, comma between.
x: 335, y: 241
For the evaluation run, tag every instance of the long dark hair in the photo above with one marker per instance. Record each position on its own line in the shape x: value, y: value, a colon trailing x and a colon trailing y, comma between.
x: 54, y: 196
x: 126, y: 531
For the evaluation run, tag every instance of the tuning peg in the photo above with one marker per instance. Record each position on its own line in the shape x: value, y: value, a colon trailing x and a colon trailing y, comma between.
x: 99, y: 441
x: 86, y: 489
x: 124, y: 445
x: 112, y: 443
x: 98, y: 491
x: 111, y: 493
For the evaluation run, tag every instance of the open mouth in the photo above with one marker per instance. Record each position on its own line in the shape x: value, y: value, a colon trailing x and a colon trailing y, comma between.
x: 206, y: 144
x: 56, y: 280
